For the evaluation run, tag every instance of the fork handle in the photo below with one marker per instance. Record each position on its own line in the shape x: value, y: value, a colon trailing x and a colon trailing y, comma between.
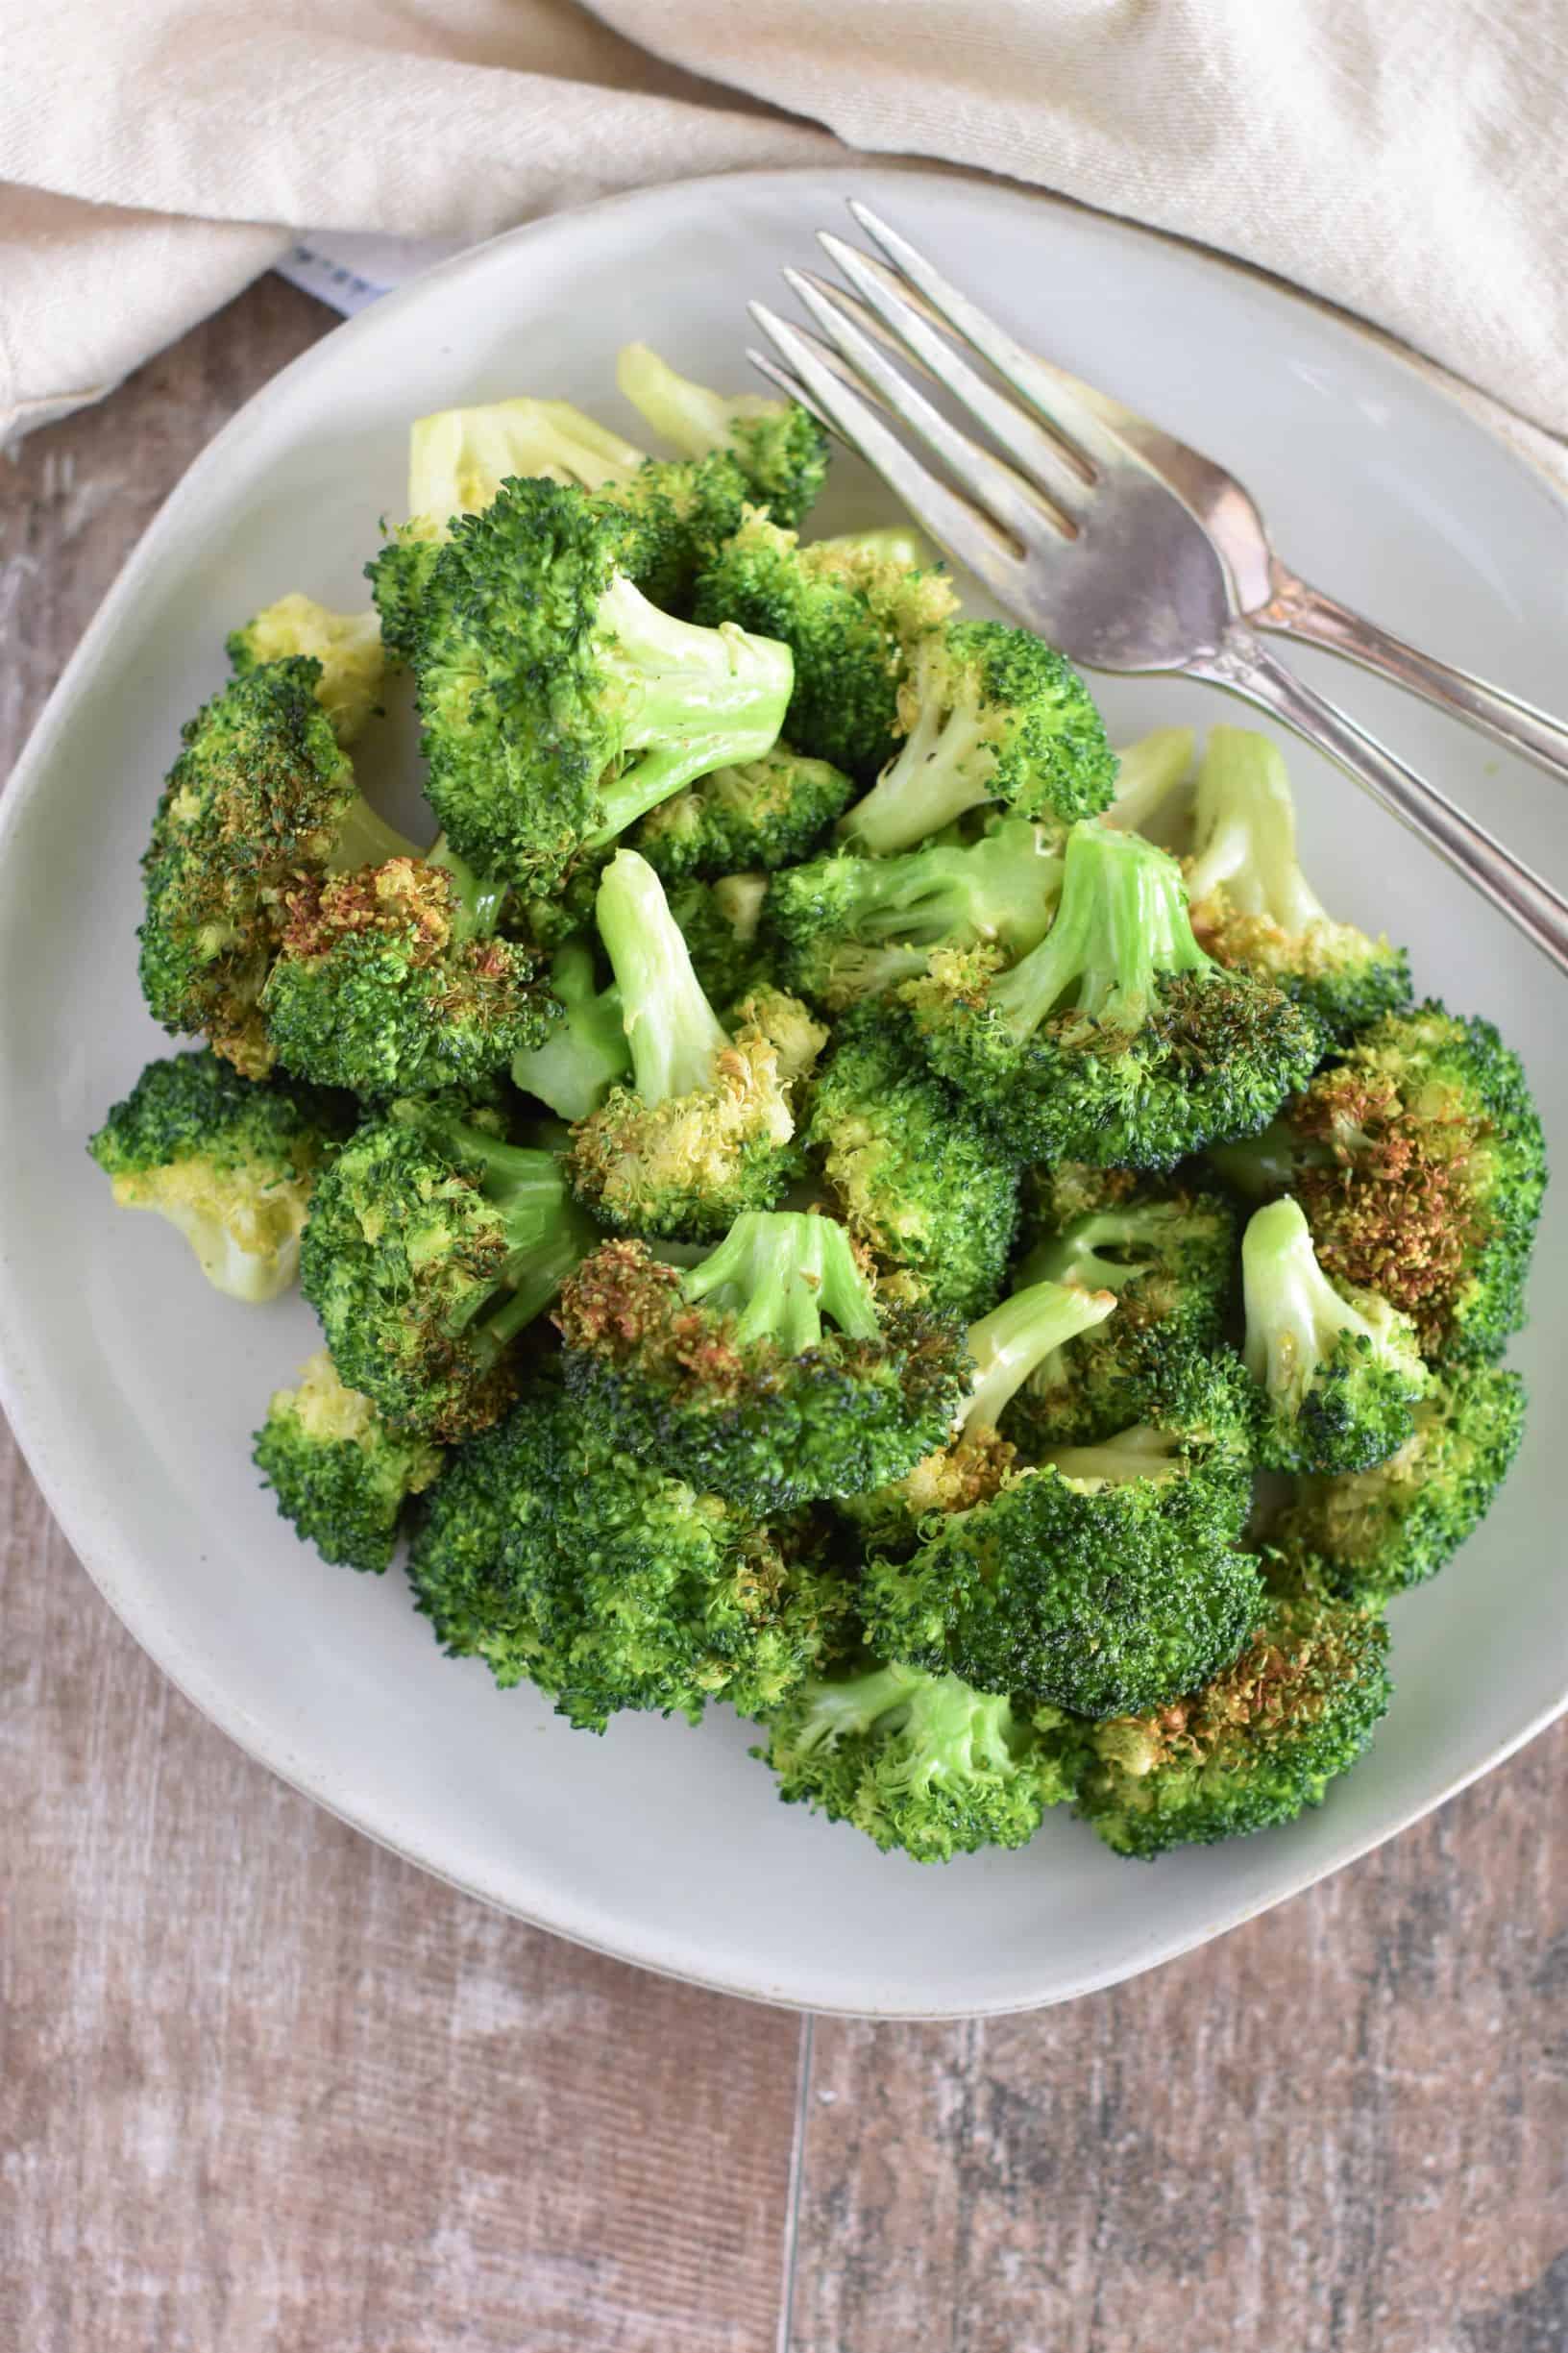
x: 1295, y: 609
x: 1244, y: 666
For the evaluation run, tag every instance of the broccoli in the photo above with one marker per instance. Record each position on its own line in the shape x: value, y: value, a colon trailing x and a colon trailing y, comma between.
x: 559, y: 704
x: 722, y: 923
x: 584, y: 1055
x: 1339, y: 1371
x: 853, y: 927
x: 1252, y: 906
x: 340, y: 1473
x: 1103, y: 1580
x: 922, y: 1763
x: 851, y: 616
x: 1168, y: 1254
x: 348, y: 646
x: 1419, y: 1161
x: 261, y: 794
x: 765, y: 814
x: 431, y: 1245
x: 460, y: 457
x: 399, y: 578
x: 989, y: 713
x: 1151, y: 778
x: 1257, y: 1743
x: 1117, y: 1039
x: 707, y: 1128
x: 918, y: 1179
x: 779, y: 449
x: 390, y: 981
x: 611, y: 1584
x: 1374, y: 1532
x: 768, y: 1373
x: 228, y: 1161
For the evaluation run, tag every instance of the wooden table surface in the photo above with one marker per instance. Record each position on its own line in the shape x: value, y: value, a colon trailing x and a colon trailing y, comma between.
x: 265, y: 2088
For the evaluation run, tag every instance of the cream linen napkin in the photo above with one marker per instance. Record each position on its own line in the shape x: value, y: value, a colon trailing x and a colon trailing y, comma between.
x: 1406, y: 163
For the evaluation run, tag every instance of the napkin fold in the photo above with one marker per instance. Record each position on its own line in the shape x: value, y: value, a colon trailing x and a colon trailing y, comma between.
x: 1405, y: 164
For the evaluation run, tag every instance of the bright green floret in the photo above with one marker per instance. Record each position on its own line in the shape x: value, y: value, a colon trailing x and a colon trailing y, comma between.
x: 231, y: 1164
x: 348, y: 646
x: 989, y: 713
x: 762, y: 816
x: 780, y: 447
x: 1339, y: 1371
x: 922, y: 1763
x: 855, y: 927
x: 1117, y: 1039
x: 1253, y: 908
x: 340, y: 1473
x: 433, y: 1245
x: 1376, y: 1532
x: 558, y: 704
x: 920, y: 1180
x: 769, y: 1373
x: 585, y: 1053
x: 1261, y: 1740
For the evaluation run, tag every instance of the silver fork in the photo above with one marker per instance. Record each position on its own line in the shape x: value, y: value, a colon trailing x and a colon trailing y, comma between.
x: 1079, y: 535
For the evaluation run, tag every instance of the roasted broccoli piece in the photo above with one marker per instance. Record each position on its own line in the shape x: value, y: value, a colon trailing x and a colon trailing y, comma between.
x: 854, y: 927
x: 1419, y: 1161
x: 340, y: 1473
x: 780, y: 449
x: 228, y: 1161
x: 919, y: 1180
x: 399, y: 578
x: 1253, y: 908
x: 769, y: 1373
x: 1258, y: 1742
x: 585, y: 1053
x: 921, y: 1763
x: 852, y: 615
x: 261, y: 795
x: 348, y: 646
x: 431, y: 1247
x: 1340, y: 1371
x: 558, y: 703
x: 1372, y: 1534
x: 1117, y: 1039
x: 707, y: 1128
x: 762, y: 816
x: 989, y: 713
x: 1152, y: 775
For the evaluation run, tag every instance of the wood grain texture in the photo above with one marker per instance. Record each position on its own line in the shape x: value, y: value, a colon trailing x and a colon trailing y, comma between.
x: 263, y: 2089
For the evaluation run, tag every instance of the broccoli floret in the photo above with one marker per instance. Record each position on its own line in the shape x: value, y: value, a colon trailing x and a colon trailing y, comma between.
x: 921, y: 1763
x: 1117, y: 1039
x: 850, y: 614
x: 228, y: 1161
x: 558, y: 703
x: 1419, y: 1161
x: 1168, y: 1254
x: 340, y: 1473
x: 348, y: 646
x: 1339, y: 1371
x: 390, y: 981
x: 1255, y: 1745
x: 989, y: 713
x: 432, y: 1245
x: 611, y: 1584
x: 769, y: 1373
x: 399, y: 578
x: 762, y: 816
x: 919, y: 1180
x: 1253, y: 907
x: 722, y: 923
x: 585, y: 1053
x: 854, y: 927
x: 706, y: 1129
x: 1374, y: 1534
x: 780, y: 449
x: 1103, y: 1580
x: 261, y: 795
x: 1151, y: 778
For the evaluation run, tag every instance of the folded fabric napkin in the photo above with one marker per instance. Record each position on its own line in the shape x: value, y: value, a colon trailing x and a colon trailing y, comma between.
x: 1404, y: 163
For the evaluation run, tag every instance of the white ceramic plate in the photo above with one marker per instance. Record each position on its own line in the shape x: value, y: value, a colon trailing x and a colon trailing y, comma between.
x: 134, y: 1388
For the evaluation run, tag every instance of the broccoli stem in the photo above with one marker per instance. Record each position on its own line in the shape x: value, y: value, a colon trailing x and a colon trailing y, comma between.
x: 1013, y: 1338
x: 1142, y: 1453
x: 1148, y: 773
x: 586, y: 1050
x: 478, y: 902
x: 1244, y: 831
x: 1093, y: 1249
x: 1122, y: 926
x: 546, y: 1233
x: 695, y: 420
x: 1293, y: 1313
x: 780, y: 1273
x: 944, y: 768
x: 673, y: 1034
x: 366, y: 839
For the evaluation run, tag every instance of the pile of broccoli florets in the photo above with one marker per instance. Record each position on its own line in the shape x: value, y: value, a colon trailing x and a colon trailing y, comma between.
x: 824, y: 1190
